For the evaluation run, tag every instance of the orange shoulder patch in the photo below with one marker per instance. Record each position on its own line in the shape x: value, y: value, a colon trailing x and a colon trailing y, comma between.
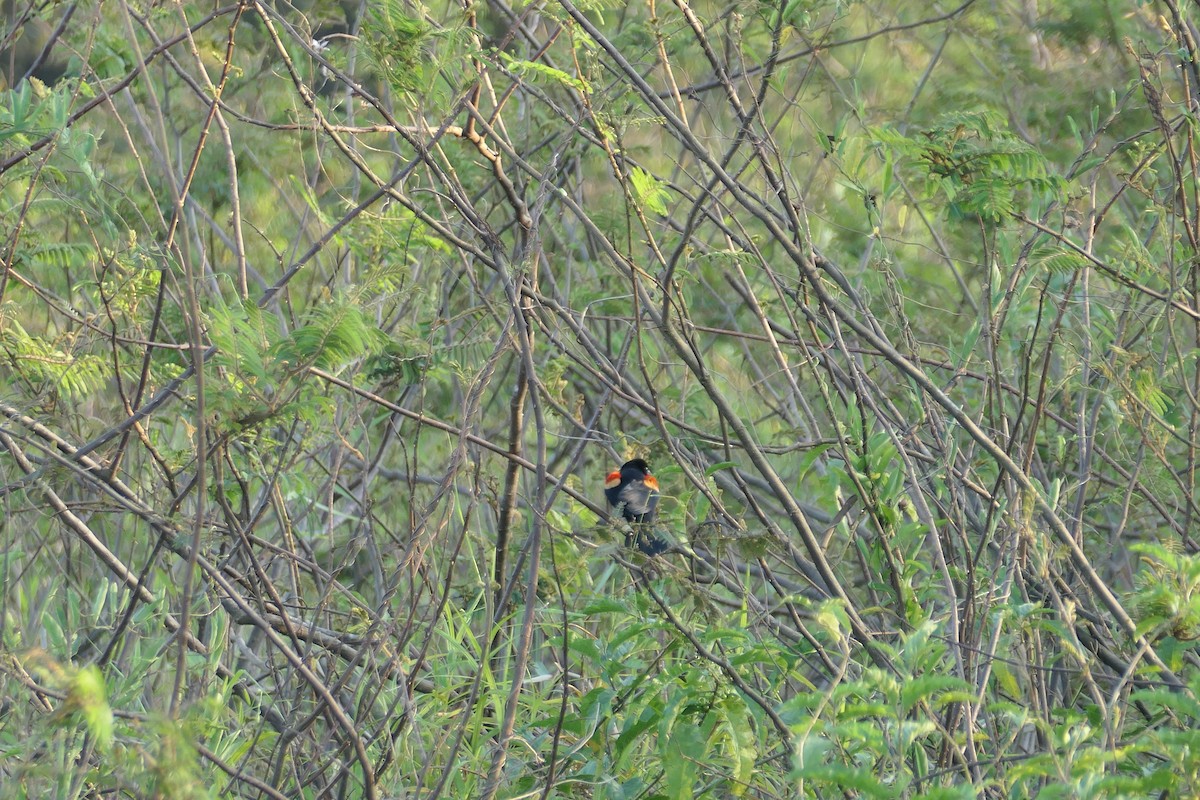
x: 613, y: 479
x: 652, y: 482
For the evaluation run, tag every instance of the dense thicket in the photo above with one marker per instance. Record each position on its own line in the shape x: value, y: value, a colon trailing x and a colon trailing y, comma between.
x: 322, y: 324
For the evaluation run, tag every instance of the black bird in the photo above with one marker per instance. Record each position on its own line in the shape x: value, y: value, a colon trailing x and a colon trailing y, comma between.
x: 633, y: 491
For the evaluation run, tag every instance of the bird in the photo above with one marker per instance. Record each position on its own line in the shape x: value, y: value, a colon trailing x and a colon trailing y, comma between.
x: 633, y: 492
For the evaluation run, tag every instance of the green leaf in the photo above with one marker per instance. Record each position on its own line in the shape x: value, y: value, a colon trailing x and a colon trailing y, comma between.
x: 521, y: 66
x: 843, y: 778
x: 88, y: 697
x: 685, y: 751
x: 740, y: 742
x: 648, y: 191
x: 605, y: 605
x: 933, y: 687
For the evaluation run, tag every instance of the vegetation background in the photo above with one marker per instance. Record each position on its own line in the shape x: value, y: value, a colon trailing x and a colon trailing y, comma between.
x: 321, y: 325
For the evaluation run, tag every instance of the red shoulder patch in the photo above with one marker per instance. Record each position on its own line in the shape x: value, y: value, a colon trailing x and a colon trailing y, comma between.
x: 652, y: 482
x: 613, y: 479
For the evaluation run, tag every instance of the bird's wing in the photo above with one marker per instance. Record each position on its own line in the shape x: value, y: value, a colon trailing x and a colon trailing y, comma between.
x: 640, y: 496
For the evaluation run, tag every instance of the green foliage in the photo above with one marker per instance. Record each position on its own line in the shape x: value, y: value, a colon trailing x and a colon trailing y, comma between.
x: 338, y: 333
x: 982, y: 169
x: 397, y: 43
x: 1059, y: 260
x: 24, y: 116
x: 263, y: 372
x: 1167, y: 596
x: 648, y: 191
x: 874, y: 720
x: 56, y: 367
x: 173, y: 766
x: 522, y: 67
